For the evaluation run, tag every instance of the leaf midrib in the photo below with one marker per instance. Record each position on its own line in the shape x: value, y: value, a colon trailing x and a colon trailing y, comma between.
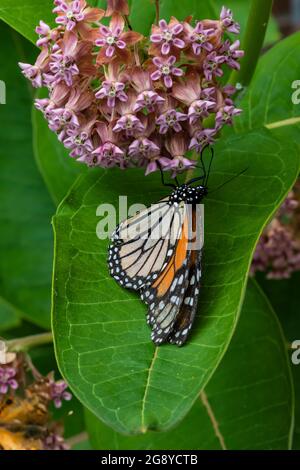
x: 143, y: 426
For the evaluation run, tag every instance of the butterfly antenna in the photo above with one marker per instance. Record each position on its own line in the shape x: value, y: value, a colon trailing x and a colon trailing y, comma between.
x: 170, y: 185
x: 202, y: 162
x: 202, y: 167
x: 229, y: 181
x: 210, y: 164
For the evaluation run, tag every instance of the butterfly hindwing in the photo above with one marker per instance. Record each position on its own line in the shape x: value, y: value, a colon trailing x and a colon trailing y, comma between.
x: 166, y: 293
x: 162, y: 314
x: 188, y: 309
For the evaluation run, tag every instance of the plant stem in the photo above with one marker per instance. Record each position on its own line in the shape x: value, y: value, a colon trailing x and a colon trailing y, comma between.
x: 260, y: 11
x: 157, y: 11
x: 128, y: 22
x: 28, y: 342
x: 78, y: 439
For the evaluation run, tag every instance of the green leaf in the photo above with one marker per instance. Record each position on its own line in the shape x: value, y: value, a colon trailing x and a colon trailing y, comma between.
x: 25, y: 206
x: 24, y: 15
x: 83, y: 445
x: 284, y: 296
x: 9, y: 315
x: 142, y: 15
x: 279, y: 291
x: 102, y: 341
x: 296, y: 377
x: 143, y: 12
x: 184, y: 8
x: 58, y: 169
x: 268, y: 102
x: 261, y: 390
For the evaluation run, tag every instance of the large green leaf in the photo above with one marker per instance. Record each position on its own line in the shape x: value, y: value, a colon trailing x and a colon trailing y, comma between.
x: 24, y: 15
x: 9, y: 315
x: 254, y: 375
x: 284, y: 295
x: 102, y: 341
x: 142, y: 15
x: 82, y: 445
x: 184, y: 8
x: 25, y: 207
x: 288, y: 311
x: 268, y: 101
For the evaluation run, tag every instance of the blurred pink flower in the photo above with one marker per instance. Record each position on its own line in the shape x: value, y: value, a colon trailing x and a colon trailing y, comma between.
x: 278, y: 250
x: 7, y: 379
x: 59, y: 393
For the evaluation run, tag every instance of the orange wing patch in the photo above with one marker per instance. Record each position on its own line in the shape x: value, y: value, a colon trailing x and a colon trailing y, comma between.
x: 164, y: 281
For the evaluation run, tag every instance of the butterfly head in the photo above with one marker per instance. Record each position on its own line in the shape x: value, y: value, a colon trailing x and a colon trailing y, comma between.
x: 189, y: 194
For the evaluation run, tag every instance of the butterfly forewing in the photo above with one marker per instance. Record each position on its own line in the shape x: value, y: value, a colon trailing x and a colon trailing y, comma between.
x: 142, y: 246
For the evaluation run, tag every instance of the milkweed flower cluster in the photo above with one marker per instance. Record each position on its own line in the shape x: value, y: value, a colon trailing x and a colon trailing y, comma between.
x: 30, y: 395
x: 59, y: 393
x: 54, y: 441
x: 7, y: 379
x: 119, y: 99
x: 278, y: 250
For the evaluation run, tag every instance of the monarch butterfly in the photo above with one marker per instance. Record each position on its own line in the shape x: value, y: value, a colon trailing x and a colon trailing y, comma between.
x: 158, y: 253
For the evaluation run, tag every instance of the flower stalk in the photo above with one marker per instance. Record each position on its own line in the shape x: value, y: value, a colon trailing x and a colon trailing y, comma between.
x: 157, y: 9
x: 259, y: 15
x: 29, y: 342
